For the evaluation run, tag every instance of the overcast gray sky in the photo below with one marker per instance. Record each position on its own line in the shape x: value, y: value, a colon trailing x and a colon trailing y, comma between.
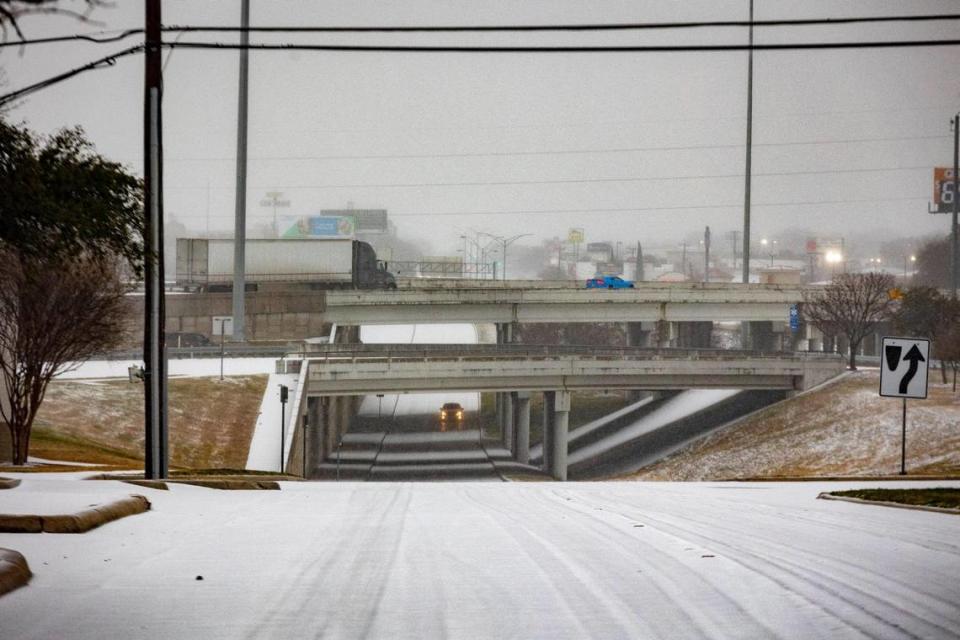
x: 547, y: 141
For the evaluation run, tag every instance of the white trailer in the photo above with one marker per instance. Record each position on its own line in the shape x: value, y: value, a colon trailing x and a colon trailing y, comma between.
x: 334, y: 262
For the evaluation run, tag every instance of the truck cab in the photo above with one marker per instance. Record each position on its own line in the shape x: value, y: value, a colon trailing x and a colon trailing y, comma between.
x: 370, y: 273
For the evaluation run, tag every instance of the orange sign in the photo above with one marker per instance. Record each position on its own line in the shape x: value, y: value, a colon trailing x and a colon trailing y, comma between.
x: 943, y: 189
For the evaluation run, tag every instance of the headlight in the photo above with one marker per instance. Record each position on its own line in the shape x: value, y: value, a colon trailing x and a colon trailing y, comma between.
x: 459, y: 414
x: 443, y: 414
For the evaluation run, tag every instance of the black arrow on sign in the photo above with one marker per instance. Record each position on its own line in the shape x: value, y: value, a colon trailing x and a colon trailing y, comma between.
x: 914, y: 357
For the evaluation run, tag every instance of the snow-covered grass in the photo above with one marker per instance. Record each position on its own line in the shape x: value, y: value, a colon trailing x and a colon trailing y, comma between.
x: 475, y: 560
x: 844, y: 428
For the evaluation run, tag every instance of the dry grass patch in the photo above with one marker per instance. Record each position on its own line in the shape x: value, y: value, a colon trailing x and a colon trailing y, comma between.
x: 211, y: 422
x: 841, y: 430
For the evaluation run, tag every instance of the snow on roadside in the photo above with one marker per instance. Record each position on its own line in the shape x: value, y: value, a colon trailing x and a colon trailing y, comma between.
x: 264, y: 454
x: 187, y: 367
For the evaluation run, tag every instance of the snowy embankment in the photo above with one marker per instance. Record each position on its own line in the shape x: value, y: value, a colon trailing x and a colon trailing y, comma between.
x: 842, y: 428
x: 681, y: 406
x: 462, y: 560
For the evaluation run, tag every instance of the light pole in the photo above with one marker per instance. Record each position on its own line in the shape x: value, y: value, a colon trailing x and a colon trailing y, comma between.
x: 223, y: 323
x: 507, y: 243
x: 274, y: 199
x: 913, y: 260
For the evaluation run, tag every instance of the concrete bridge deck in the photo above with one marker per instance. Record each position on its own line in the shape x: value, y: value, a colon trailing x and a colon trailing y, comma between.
x: 368, y: 369
x: 648, y: 302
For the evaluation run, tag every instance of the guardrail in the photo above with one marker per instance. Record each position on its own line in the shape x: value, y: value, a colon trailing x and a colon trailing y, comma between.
x: 175, y: 353
x: 493, y: 351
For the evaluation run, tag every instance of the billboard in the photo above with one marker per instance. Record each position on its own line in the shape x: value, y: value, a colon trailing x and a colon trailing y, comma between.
x: 317, y: 227
x: 943, y: 195
x: 366, y: 220
x: 575, y: 236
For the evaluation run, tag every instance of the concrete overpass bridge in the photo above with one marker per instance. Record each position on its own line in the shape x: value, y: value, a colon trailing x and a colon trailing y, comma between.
x: 648, y: 302
x: 654, y: 312
x: 333, y: 377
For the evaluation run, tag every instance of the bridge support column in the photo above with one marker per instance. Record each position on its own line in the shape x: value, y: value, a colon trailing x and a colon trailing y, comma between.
x: 522, y: 404
x: 330, y: 415
x: 666, y: 334
x: 507, y: 409
x: 504, y: 404
x: 558, y: 435
x: 549, y: 398
x: 312, y: 436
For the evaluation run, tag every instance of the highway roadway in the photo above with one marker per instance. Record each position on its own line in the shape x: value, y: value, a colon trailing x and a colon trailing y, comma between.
x: 458, y: 560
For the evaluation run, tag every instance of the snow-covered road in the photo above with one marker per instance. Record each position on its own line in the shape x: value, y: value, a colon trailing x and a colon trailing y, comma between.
x: 522, y: 560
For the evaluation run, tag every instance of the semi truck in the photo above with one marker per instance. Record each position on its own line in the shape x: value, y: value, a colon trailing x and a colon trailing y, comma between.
x: 207, y: 264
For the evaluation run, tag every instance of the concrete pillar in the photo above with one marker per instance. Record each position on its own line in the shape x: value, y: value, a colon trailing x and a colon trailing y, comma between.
x: 558, y: 435
x: 331, y: 415
x: 666, y: 334
x: 506, y: 400
x: 522, y: 404
x: 549, y: 398
x: 637, y: 334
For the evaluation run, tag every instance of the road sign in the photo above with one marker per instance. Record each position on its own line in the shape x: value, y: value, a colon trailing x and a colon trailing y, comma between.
x: 943, y: 194
x: 794, y: 318
x: 222, y: 325
x: 904, y: 363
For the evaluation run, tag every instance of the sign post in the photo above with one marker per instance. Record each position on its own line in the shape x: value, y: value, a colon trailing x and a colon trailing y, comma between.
x: 904, y: 365
x: 284, y: 394
x: 222, y: 326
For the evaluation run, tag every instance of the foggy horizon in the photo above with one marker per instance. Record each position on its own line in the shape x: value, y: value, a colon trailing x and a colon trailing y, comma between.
x: 630, y: 147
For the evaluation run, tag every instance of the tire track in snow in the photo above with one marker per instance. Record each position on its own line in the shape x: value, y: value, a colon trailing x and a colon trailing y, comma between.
x: 849, y: 595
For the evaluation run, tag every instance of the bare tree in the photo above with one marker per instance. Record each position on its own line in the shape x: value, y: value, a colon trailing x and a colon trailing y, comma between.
x: 852, y: 305
x: 11, y: 11
x: 53, y: 316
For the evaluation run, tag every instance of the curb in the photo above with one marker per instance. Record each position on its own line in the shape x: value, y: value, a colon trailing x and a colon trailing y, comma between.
x: 230, y: 485
x: 79, y: 522
x: 9, y: 483
x: 14, y: 572
x: 885, y: 503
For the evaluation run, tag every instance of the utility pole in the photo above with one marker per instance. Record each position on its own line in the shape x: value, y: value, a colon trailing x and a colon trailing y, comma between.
x: 154, y: 347
x: 748, y: 170
x: 683, y: 261
x: 733, y: 234
x: 706, y: 255
x: 240, y: 221
x: 954, y: 240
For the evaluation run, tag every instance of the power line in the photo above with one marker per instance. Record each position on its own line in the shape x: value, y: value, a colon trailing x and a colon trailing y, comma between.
x: 98, y: 38
x: 548, y: 152
x: 107, y: 61
x: 513, y: 183
x: 629, y: 26
x: 738, y: 205
x: 701, y: 48
x: 692, y: 207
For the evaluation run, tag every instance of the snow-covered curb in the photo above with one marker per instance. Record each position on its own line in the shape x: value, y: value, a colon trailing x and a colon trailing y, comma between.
x: 79, y: 522
x: 884, y: 503
x: 14, y: 572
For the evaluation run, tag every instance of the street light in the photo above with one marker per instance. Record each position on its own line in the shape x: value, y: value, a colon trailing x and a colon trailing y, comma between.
x: 506, y: 242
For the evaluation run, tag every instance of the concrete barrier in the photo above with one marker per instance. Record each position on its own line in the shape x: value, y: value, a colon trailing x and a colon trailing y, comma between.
x: 14, y: 571
x: 80, y: 522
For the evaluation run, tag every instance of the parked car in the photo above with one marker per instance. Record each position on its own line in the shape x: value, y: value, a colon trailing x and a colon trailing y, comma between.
x: 451, y: 415
x: 609, y: 282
